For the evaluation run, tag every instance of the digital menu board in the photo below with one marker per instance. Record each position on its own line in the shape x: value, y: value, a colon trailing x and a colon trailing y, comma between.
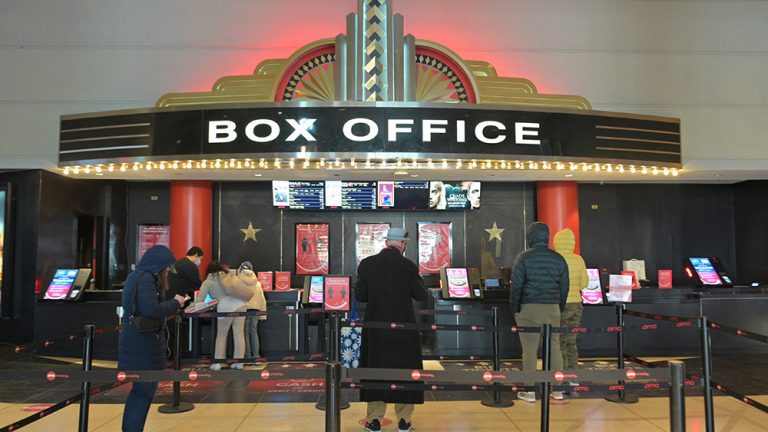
x: 298, y: 195
x: 350, y: 195
x: 404, y: 195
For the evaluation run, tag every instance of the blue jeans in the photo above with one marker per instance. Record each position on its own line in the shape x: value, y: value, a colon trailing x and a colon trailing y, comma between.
x: 252, y: 337
x: 137, y: 406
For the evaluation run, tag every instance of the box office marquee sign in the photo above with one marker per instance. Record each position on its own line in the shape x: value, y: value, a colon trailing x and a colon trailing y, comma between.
x: 360, y: 129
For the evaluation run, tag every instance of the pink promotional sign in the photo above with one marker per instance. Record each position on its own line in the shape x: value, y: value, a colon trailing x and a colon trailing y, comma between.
x: 151, y: 235
x: 282, y: 281
x: 336, y: 293
x: 435, y: 245
x: 592, y: 294
x: 458, y: 282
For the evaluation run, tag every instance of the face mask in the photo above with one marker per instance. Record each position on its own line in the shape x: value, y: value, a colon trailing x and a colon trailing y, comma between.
x: 198, y: 261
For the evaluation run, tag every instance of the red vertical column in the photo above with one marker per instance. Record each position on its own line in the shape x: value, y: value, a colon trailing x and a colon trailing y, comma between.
x: 558, y: 207
x: 191, y: 218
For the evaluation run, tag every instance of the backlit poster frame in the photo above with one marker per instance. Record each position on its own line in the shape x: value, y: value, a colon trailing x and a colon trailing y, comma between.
x: 312, y: 247
x: 435, y: 246
x: 5, y: 242
x: 369, y: 239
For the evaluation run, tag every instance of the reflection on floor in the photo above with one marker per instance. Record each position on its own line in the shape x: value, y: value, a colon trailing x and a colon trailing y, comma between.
x: 649, y: 415
x: 289, y: 405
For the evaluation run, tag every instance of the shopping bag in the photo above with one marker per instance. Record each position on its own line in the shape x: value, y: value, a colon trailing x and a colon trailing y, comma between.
x: 351, y: 339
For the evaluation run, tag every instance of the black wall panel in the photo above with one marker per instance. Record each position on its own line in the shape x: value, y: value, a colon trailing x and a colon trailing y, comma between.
x: 751, y: 210
x: 238, y: 204
x: 661, y: 224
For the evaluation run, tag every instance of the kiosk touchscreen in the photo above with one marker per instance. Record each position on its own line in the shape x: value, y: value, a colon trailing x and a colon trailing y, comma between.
x: 455, y: 284
x: 68, y: 284
x: 313, y: 290
x: 707, y: 271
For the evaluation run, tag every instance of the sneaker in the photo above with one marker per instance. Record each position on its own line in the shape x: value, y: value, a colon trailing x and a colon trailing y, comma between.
x: 527, y: 396
x: 558, y: 395
x: 403, y: 426
x: 238, y: 366
x: 373, y: 426
x: 216, y: 366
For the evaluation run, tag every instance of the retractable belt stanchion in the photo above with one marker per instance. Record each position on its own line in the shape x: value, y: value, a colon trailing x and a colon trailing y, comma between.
x: 177, y: 406
x: 546, y: 360
x: 621, y: 396
x: 333, y: 396
x: 676, y: 396
x: 86, y: 387
x: 333, y: 356
x: 496, y: 401
x: 706, y: 358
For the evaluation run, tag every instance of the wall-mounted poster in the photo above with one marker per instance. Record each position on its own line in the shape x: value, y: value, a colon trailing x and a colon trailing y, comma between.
x: 151, y: 235
x: 311, y: 249
x: 435, y: 246
x: 370, y: 239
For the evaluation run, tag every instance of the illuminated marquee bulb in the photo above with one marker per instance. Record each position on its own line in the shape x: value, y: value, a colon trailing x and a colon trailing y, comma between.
x: 674, y: 172
x: 632, y: 169
x: 306, y: 164
x: 136, y: 166
x: 76, y: 170
x: 149, y: 166
x: 655, y: 171
x: 399, y: 162
x: 458, y: 164
x: 666, y: 171
x: 621, y: 168
x: 291, y: 163
x: 597, y: 167
x: 546, y: 165
x: 204, y: 163
x: 87, y: 169
x: 231, y: 162
x: 66, y: 170
x: 162, y: 165
x: 383, y: 162
x: 517, y: 164
x: 123, y: 168
x: 573, y: 166
x: 560, y: 166
x: 445, y: 163
x: 175, y: 165
x: 98, y: 168
x: 474, y: 163
x: 338, y: 162
x: 367, y: 163
x: 609, y: 168
x: 217, y: 164
x: 353, y: 163
x: 584, y: 167
x: 645, y: 170
x: 261, y: 163
x: 277, y: 163
x: 322, y: 162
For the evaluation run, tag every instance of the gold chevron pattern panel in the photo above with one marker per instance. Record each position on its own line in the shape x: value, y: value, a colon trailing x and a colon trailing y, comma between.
x: 375, y: 50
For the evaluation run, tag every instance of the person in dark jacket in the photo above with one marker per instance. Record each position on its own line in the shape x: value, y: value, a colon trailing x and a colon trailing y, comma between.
x: 141, y: 345
x: 388, y: 283
x: 537, y: 296
x: 186, y: 280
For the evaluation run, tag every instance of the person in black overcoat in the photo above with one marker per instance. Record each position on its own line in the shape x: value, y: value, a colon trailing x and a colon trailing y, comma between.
x: 388, y: 283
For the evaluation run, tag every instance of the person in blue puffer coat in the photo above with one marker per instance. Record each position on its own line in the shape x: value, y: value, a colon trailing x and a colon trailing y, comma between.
x: 143, y: 349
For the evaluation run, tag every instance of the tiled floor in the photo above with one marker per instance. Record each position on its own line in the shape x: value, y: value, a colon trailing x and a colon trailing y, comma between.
x: 238, y: 406
x: 649, y: 415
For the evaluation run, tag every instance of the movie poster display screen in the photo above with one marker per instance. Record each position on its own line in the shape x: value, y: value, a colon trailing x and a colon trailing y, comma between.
x: 370, y: 239
x: 312, y: 249
x: 454, y: 195
x: 435, y: 244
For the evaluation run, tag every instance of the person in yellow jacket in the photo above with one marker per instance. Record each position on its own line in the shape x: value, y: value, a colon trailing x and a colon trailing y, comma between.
x: 565, y: 244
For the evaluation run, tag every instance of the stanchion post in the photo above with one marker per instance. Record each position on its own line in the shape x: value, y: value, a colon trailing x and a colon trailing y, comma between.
x: 546, y: 360
x: 706, y: 358
x: 496, y: 401
x: 333, y: 396
x: 621, y: 396
x: 676, y: 396
x: 88, y: 333
x: 334, y: 343
x: 177, y: 406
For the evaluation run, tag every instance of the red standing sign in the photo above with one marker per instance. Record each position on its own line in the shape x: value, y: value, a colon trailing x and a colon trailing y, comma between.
x: 336, y: 293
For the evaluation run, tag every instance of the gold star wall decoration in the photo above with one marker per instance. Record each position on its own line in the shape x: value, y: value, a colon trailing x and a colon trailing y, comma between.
x: 250, y: 232
x: 494, y: 232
